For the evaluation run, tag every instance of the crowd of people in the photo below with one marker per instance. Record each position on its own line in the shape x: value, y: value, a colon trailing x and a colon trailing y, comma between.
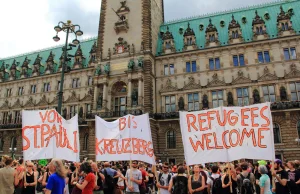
x: 88, y: 177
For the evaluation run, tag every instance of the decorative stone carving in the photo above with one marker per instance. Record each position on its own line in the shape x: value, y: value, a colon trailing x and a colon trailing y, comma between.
x: 169, y: 87
x: 13, y: 70
x: 168, y: 42
x: 211, y: 35
x: 181, y: 103
x: 294, y: 73
x: 189, y: 39
x: 141, y: 62
x: 43, y: 101
x: 191, y: 84
x: 98, y: 70
x: 17, y: 104
x: 256, y: 97
x: 29, y: 103
x: 5, y: 105
x: 230, y: 99
x: 267, y: 76
x: 205, y: 101
x: 107, y: 68
x: 93, y: 53
x: 78, y: 58
x: 121, y: 47
x: 216, y: 81
x: 234, y: 31
x: 241, y: 79
x: 284, y: 23
x: 72, y: 98
x: 258, y: 27
x: 122, y: 23
x: 283, y: 94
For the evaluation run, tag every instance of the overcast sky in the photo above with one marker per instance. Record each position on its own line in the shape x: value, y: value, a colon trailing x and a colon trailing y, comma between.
x: 27, y: 25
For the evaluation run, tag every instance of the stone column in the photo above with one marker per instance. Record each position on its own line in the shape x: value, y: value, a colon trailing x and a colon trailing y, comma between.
x: 234, y: 94
x: 225, y: 98
x: 104, y: 101
x: 140, y: 98
x: 261, y: 93
x: 250, y: 92
x: 288, y: 92
x: 96, y: 94
x: 277, y: 93
x: 129, y: 92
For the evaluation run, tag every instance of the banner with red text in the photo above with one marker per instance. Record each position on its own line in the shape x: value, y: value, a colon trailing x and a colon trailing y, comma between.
x: 128, y: 138
x: 46, y: 134
x: 226, y: 134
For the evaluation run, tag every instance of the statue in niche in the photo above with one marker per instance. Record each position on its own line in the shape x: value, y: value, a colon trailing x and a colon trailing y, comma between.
x: 9, y: 118
x: 283, y: 94
x: 107, y: 68
x: 256, y: 96
x: 134, y: 97
x: 181, y: 103
x: 230, y: 99
x: 205, y: 102
x: 65, y: 113
x: 99, y: 102
x: 131, y: 65
x: 80, y: 114
x: 141, y: 62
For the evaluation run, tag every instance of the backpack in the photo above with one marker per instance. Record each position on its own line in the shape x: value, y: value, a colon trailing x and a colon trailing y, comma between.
x: 180, y: 185
x: 247, y: 186
x: 159, y: 178
x: 109, y: 181
x: 217, y: 185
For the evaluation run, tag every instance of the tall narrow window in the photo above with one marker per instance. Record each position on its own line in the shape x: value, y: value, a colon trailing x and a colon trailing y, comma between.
x: 263, y: 57
x: 33, y: 89
x: 290, y: 53
x: 73, y: 110
x: 217, y: 98
x: 120, y: 106
x: 8, y: 92
x: 214, y: 64
x: 170, y: 103
x: 88, y: 108
x: 169, y: 69
x: 75, y: 83
x: 193, y: 102
x: 276, y: 131
x: 242, y: 96
x: 238, y: 60
x: 191, y: 66
x: 17, y: 117
x: 269, y: 93
x: 295, y: 91
x: 13, y: 143
x: 171, y: 139
x: 90, y: 81
x: 86, y: 142
x: 20, y: 91
x: 58, y: 85
x: 47, y: 87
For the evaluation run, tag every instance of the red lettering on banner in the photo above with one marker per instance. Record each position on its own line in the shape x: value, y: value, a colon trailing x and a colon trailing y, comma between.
x: 260, y: 137
x: 244, y: 117
x: 264, y: 116
x: 202, y: 121
x: 253, y: 116
x: 191, y: 123
x: 248, y: 134
x: 27, y: 146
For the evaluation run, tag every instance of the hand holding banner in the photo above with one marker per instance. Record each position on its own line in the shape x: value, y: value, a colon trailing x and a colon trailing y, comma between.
x: 226, y: 134
x: 46, y: 134
x: 128, y: 138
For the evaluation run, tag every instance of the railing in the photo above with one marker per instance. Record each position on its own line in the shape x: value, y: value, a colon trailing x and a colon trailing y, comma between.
x: 11, y: 125
x: 114, y: 114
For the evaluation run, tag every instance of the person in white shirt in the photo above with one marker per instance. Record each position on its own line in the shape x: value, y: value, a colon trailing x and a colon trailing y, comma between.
x: 164, y: 179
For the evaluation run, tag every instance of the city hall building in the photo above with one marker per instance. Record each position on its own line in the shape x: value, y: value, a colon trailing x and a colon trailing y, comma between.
x: 139, y: 64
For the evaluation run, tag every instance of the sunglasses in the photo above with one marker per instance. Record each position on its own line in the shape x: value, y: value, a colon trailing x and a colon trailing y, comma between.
x: 134, y: 163
x: 30, y: 166
x: 165, y: 167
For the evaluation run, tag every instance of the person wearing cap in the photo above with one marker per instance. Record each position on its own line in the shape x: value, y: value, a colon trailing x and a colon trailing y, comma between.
x: 281, y: 178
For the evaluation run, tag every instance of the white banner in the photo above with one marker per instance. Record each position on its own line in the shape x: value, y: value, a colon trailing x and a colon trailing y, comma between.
x: 226, y: 134
x: 128, y: 138
x: 46, y: 135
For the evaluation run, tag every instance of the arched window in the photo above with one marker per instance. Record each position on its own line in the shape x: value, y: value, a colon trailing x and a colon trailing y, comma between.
x: 261, y: 30
x: 168, y: 45
x: 282, y: 26
x: 286, y: 26
x: 257, y: 30
x: 13, y: 142
x: 276, y: 131
x: 86, y: 141
x: 171, y: 139
x: 298, y: 128
x: 1, y: 144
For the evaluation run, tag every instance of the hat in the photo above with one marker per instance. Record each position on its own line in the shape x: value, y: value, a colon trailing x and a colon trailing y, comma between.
x: 262, y: 162
x: 278, y: 161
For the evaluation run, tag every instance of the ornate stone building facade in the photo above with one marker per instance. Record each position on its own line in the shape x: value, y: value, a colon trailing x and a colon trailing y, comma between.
x: 138, y: 64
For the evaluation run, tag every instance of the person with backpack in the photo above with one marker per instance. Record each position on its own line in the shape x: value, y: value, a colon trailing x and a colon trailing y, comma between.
x: 281, y: 178
x: 226, y: 183
x: 264, y: 180
x: 133, y: 179
x: 109, y: 183
x: 214, y: 181
x: 180, y: 182
x: 164, y: 178
x: 294, y: 178
x: 196, y: 182
x: 246, y: 180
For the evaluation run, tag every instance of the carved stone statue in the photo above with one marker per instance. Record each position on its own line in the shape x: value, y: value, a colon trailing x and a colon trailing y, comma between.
x: 99, y: 102
x: 98, y: 71
x: 205, y: 102
x: 134, y: 97
x: 131, y: 65
x: 230, y: 99
x: 141, y: 62
x: 107, y: 68
x: 80, y: 114
x: 65, y: 113
x: 283, y: 94
x: 256, y: 96
x: 181, y: 103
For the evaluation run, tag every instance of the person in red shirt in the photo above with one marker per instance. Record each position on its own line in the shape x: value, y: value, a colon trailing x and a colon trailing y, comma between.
x: 89, y: 182
x: 145, y: 178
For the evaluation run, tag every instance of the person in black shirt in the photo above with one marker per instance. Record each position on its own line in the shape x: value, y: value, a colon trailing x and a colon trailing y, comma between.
x: 294, y: 178
x: 281, y: 178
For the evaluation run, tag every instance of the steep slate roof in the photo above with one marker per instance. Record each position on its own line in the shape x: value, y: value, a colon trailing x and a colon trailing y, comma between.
x: 249, y: 12
x: 86, y: 46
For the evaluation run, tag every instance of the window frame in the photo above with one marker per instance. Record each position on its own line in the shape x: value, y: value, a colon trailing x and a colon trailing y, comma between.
x: 191, y: 66
x: 170, y: 104
x: 239, y: 58
x: 73, y: 111
x: 33, y: 89
x: 119, y: 105
x: 90, y: 80
x: 193, y: 102
x: 171, y: 139
x: 168, y: 67
x: 75, y: 83
x: 288, y: 53
x: 243, y: 96
x: 296, y: 91
x: 213, y: 61
x: 218, y: 100
x: 264, y: 95
x: 279, y: 133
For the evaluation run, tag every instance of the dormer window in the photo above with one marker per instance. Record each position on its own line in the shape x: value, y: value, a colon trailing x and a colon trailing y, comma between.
x: 168, y: 42
x: 235, y: 32
x: 259, y: 28
x: 93, y: 58
x: 93, y: 53
x: 211, y: 35
x: 189, y: 39
x: 284, y: 23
